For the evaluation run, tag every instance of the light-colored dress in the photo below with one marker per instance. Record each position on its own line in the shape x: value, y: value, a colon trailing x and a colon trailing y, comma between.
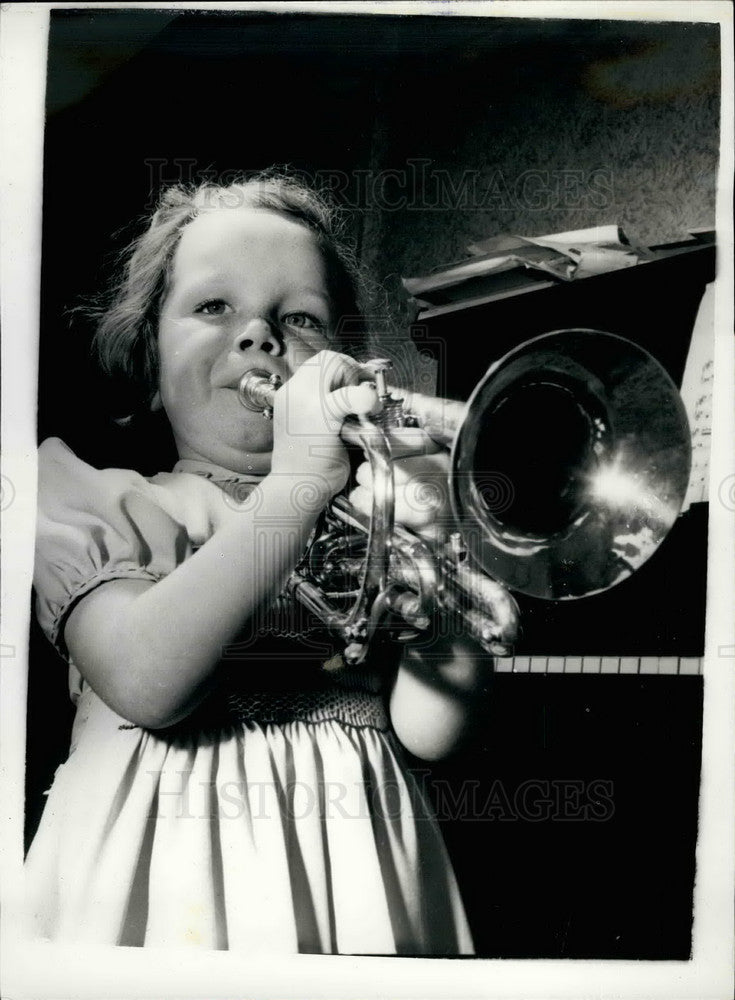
x: 278, y: 818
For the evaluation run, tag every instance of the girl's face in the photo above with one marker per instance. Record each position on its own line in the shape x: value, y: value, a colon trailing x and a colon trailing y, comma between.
x: 248, y: 289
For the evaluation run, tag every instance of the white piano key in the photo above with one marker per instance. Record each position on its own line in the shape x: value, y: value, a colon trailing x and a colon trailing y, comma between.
x: 504, y: 664
x: 610, y: 665
x: 670, y: 665
x: 690, y: 665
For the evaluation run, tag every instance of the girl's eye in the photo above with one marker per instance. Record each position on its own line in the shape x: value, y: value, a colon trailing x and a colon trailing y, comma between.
x: 212, y: 307
x: 303, y: 321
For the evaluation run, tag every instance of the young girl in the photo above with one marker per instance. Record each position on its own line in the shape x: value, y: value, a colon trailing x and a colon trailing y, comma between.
x: 223, y: 789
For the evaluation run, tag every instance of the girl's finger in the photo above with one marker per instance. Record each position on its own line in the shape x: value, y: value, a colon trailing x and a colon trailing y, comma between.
x: 435, y: 466
x: 338, y: 370
x: 323, y: 372
x: 362, y: 499
x: 421, y: 499
x: 405, y: 441
x: 364, y: 475
x: 414, y: 481
x: 417, y: 502
x: 353, y: 399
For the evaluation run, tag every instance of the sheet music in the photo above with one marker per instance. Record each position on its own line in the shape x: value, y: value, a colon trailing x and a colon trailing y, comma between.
x: 696, y: 393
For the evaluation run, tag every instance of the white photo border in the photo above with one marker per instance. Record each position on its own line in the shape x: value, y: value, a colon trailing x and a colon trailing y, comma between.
x: 39, y: 970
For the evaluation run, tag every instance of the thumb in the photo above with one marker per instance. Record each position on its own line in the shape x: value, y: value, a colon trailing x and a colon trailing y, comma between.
x: 359, y: 400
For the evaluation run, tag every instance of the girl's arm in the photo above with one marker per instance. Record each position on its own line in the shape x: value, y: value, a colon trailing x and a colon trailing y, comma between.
x: 149, y: 649
x: 441, y: 684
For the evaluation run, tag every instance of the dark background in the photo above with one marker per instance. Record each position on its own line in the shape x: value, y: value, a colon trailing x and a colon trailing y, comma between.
x: 137, y: 99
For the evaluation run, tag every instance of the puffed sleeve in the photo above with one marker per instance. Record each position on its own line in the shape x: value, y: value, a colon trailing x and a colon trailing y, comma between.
x: 94, y: 526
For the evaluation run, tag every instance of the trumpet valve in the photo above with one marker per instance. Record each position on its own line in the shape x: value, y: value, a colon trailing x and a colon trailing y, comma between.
x: 378, y: 367
x: 457, y: 547
x: 408, y: 606
x: 393, y: 413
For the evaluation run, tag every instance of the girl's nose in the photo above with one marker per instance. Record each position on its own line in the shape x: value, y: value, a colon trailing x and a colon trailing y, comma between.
x: 258, y: 335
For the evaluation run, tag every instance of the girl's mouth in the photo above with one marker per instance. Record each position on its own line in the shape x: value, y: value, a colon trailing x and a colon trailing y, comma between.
x: 256, y: 390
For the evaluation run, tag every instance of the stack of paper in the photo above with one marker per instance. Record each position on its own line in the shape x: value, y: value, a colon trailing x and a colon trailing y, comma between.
x: 502, y: 263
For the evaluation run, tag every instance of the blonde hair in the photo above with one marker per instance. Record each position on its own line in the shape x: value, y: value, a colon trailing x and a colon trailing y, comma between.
x: 126, y: 338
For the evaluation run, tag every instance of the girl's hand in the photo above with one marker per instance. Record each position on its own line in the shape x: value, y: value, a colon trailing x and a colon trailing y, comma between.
x: 439, y: 694
x: 308, y: 413
x: 421, y: 489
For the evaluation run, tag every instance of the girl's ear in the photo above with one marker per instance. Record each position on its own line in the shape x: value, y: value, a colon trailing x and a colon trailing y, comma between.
x: 156, y: 402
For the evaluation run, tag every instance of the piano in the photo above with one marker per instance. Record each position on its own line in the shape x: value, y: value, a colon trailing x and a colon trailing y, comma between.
x: 653, y: 622
x: 607, y: 688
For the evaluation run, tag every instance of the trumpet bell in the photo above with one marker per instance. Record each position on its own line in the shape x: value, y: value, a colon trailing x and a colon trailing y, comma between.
x: 571, y: 465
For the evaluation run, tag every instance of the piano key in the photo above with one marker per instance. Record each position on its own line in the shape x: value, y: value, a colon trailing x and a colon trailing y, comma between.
x: 690, y: 665
x: 671, y: 665
x: 504, y: 664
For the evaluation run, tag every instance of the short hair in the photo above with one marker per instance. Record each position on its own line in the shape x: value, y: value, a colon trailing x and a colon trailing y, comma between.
x: 126, y: 337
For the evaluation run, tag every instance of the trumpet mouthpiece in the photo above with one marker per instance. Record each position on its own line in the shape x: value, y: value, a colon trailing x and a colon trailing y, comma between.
x: 257, y: 389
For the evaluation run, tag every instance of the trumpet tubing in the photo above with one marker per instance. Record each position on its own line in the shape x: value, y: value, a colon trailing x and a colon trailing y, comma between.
x: 569, y: 466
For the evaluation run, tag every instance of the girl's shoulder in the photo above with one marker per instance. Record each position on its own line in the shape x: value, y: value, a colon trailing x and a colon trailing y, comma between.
x: 69, y: 486
x: 62, y: 474
x: 95, y: 525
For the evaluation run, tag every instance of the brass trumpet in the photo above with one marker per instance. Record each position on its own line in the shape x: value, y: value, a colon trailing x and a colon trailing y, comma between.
x: 569, y: 466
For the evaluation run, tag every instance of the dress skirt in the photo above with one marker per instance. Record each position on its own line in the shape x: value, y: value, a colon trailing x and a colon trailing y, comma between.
x: 305, y: 836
